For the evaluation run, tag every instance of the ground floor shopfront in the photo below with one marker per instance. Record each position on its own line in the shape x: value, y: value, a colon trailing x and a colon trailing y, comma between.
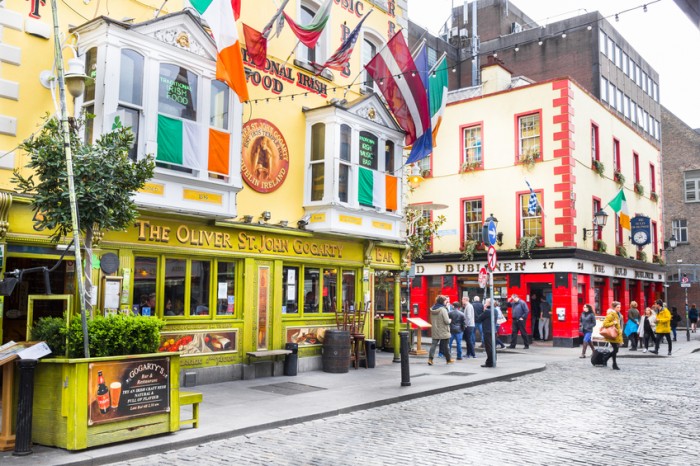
x: 224, y: 289
x: 566, y: 279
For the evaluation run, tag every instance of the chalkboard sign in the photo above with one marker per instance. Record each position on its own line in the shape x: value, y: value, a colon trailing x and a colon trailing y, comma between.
x: 368, y: 150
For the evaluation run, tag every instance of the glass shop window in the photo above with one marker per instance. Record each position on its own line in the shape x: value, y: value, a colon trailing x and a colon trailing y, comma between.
x: 226, y: 289
x: 145, y: 280
x: 290, y: 290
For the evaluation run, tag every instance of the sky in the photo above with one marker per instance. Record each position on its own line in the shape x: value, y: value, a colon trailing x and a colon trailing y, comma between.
x: 664, y: 36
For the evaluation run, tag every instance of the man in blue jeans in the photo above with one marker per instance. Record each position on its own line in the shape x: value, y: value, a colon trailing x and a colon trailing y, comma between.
x: 519, y: 313
x: 456, y: 328
x: 469, y: 326
x: 478, y: 310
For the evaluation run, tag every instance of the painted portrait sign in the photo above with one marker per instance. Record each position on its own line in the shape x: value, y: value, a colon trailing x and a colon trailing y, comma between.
x: 265, y: 158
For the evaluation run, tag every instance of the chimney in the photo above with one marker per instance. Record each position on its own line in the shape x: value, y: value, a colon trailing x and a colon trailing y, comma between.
x: 494, y: 76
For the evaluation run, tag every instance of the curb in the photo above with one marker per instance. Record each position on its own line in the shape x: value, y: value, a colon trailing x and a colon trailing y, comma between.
x: 185, y: 443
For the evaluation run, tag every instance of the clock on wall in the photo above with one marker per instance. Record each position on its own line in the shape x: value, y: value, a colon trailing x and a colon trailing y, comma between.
x: 640, y: 238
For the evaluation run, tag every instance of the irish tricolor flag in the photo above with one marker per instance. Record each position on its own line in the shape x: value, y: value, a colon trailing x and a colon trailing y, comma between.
x: 180, y: 142
x: 219, y: 15
x: 619, y: 205
x: 377, y: 189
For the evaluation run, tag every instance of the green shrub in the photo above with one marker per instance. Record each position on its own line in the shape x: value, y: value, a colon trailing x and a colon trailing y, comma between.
x: 52, y: 330
x: 115, y: 335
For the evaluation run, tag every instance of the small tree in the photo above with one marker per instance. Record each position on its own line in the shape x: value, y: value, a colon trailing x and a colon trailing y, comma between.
x: 105, y: 182
x: 421, y: 232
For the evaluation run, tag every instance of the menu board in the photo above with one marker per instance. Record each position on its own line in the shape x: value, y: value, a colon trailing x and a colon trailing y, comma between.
x: 125, y: 389
x: 368, y: 150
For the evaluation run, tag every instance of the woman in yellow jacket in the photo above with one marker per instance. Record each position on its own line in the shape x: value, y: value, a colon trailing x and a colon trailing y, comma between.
x: 613, y: 319
x: 663, y: 327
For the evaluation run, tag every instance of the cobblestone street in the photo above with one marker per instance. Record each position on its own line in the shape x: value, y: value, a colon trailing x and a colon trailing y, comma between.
x: 572, y: 413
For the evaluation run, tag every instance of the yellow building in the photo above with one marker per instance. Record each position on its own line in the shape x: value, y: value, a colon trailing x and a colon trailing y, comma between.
x: 255, y: 236
x: 576, y: 155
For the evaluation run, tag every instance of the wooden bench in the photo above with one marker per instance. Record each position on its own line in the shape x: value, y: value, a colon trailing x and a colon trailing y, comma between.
x: 191, y: 398
x: 268, y: 353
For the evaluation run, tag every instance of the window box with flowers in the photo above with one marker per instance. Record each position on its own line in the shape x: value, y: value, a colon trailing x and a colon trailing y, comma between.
x: 529, y: 157
x: 639, y: 188
x: 468, y: 248
x: 527, y: 244
x: 619, y: 177
x: 653, y: 196
x: 657, y: 259
x: 621, y: 250
x: 641, y: 256
x: 470, y: 166
x: 600, y: 246
x: 426, y: 173
x: 598, y: 166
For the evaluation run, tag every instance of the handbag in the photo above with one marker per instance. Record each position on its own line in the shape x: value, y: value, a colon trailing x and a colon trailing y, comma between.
x: 609, y: 333
x: 501, y: 321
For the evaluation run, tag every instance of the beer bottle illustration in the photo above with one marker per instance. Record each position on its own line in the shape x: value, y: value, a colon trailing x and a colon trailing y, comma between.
x: 102, y: 393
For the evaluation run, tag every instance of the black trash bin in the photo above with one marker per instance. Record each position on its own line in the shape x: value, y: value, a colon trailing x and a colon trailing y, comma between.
x: 371, y: 350
x: 291, y: 361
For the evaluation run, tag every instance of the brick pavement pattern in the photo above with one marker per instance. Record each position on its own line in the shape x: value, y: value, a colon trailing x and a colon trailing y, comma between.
x: 572, y: 413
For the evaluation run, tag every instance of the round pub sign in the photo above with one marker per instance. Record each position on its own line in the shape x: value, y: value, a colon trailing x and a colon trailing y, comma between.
x: 265, y: 157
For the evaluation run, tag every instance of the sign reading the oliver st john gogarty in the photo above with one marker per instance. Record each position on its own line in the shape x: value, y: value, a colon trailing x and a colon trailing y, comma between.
x: 125, y: 389
x: 265, y: 157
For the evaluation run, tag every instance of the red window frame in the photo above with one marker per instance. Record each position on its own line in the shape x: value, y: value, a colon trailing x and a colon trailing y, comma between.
x: 654, y: 238
x: 518, y: 201
x: 616, y: 155
x: 597, y: 204
x: 516, y: 125
x: 462, y: 128
x: 635, y: 166
x: 619, y: 234
x: 462, y: 201
x: 595, y: 142
x: 652, y: 177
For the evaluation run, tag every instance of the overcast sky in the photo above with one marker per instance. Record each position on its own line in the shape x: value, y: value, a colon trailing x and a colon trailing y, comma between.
x: 663, y: 35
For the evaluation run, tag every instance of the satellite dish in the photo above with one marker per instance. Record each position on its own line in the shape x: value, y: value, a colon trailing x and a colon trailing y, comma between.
x: 109, y: 263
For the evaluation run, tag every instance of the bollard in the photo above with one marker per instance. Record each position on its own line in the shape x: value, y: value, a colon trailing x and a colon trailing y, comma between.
x: 405, y: 370
x: 23, y: 431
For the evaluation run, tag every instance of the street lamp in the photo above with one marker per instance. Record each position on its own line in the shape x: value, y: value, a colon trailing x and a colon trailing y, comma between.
x: 599, y: 220
x: 415, y: 178
x: 671, y: 244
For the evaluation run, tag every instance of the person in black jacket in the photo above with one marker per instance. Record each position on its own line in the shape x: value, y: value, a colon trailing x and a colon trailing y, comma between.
x: 519, y: 312
x: 587, y: 325
x: 485, y: 320
x: 457, y: 326
x: 478, y: 309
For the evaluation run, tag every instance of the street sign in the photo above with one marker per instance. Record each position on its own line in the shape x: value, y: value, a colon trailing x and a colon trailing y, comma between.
x: 685, y: 282
x: 492, y: 232
x: 491, y: 258
x: 483, y: 277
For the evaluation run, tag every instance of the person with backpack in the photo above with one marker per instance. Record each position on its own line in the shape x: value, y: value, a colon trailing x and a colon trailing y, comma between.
x: 632, y: 326
x: 457, y: 326
x: 587, y: 325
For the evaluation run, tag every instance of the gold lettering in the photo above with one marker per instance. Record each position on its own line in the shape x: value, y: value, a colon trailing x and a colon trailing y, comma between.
x: 209, y: 235
x: 154, y: 235
x: 242, y: 240
x: 165, y: 237
x: 218, y: 242
x: 143, y: 226
x: 227, y: 241
x: 448, y: 268
x: 183, y: 234
x: 520, y: 266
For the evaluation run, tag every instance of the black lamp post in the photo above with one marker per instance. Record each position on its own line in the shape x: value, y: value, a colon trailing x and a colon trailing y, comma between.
x: 600, y: 219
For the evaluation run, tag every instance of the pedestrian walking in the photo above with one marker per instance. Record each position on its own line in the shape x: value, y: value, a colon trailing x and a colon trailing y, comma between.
x: 545, y: 317
x: 663, y: 327
x: 500, y: 319
x: 485, y: 320
x: 519, y: 312
x: 675, y: 320
x: 632, y: 325
x: 647, y: 327
x: 612, y: 319
x: 440, y: 320
x: 587, y: 325
x: 693, y: 318
x: 469, y: 326
x: 478, y: 309
x: 457, y: 326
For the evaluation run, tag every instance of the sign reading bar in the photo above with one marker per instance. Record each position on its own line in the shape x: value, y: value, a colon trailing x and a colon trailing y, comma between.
x: 125, y: 389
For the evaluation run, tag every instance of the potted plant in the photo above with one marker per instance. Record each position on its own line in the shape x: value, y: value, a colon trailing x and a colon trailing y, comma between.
x: 600, y: 246
x: 619, y: 177
x: 527, y: 244
x: 639, y: 188
x: 653, y: 196
x: 468, y: 249
x: 599, y: 167
x: 621, y: 250
x: 530, y: 157
x: 425, y: 173
x: 642, y: 256
x: 469, y: 166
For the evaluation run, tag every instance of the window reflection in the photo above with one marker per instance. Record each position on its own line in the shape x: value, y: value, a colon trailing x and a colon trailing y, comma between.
x: 199, y: 288
x: 175, y: 287
x: 290, y: 286
x: 177, y: 92
x: 311, y: 289
x: 226, y: 277
x: 330, y: 290
x: 349, y: 287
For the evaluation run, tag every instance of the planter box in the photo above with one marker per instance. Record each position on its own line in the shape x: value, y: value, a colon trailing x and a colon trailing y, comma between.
x: 67, y: 411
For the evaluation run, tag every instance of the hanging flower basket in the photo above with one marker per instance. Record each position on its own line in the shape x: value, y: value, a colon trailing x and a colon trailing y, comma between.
x: 527, y: 244
x: 653, y: 196
x: 619, y: 177
x: 641, y: 256
x: 468, y: 249
x: 621, y: 250
x: 639, y: 188
x: 600, y: 246
x: 599, y: 167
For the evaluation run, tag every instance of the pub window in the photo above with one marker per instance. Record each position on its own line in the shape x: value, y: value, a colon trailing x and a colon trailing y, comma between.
x: 200, y: 278
x: 368, y: 150
x: 389, y: 157
x: 349, y: 287
x: 145, y: 281
x: 187, y: 287
x: 531, y: 222
x: 178, y: 133
x: 226, y: 279
x: 473, y: 220
x: 384, y: 291
x: 330, y: 290
x: 344, y: 168
x: 219, y: 136
x: 318, y: 142
x: 529, y: 134
x: 312, y: 288
x: 175, y: 296
x: 131, y: 94
x: 472, y: 145
x: 89, y: 94
x: 290, y: 290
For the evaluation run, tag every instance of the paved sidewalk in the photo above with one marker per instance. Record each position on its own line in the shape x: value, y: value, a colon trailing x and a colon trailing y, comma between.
x: 242, y: 407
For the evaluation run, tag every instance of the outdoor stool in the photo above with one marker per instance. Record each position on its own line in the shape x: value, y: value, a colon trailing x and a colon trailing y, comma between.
x: 191, y: 398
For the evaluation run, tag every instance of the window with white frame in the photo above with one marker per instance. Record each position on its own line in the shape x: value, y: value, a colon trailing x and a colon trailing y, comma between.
x: 633, y: 111
x: 318, y: 155
x: 595, y: 144
x: 344, y: 163
x: 529, y: 135
x: 692, y: 185
x: 531, y: 223
x: 89, y: 94
x: 679, y: 229
x: 612, y: 94
x: 308, y: 55
x: 369, y: 50
x: 619, y: 100
x: 627, y: 106
x: 473, y: 220
x: 618, y: 57
x: 219, y: 132
x: 472, y: 145
x: 603, y: 42
x: 603, y: 89
x: 131, y: 95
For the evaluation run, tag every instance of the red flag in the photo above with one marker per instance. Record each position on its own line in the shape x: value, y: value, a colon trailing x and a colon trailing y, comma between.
x: 256, y: 45
x: 236, y: 5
